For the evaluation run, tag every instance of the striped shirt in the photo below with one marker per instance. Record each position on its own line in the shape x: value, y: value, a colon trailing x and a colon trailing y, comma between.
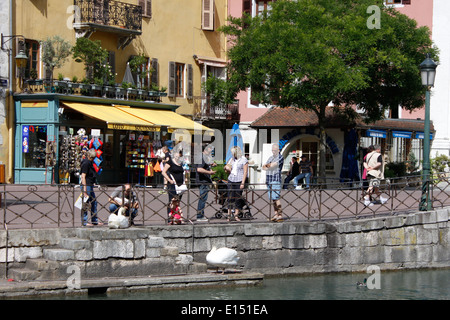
x: 274, y: 174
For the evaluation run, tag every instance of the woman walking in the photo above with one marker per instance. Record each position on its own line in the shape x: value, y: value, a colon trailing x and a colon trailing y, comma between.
x: 238, y: 168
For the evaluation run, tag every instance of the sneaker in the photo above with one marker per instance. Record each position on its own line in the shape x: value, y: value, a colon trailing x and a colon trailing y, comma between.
x: 202, y: 219
x: 298, y: 188
x: 383, y: 200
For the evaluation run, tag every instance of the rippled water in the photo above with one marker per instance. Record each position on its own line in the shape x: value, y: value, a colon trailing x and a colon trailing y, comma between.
x: 395, y: 285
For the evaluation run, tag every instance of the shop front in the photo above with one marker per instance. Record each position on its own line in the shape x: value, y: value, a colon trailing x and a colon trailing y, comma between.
x: 53, y: 132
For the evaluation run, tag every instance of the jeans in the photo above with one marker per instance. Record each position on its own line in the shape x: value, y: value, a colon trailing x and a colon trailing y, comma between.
x: 93, y: 202
x: 306, y: 175
x: 113, y: 209
x: 287, y: 180
x: 204, y: 189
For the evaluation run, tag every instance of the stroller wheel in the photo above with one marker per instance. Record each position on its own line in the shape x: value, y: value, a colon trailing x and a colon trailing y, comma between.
x: 218, y: 215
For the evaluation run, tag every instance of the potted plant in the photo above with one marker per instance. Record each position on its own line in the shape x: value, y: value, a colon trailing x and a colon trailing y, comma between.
x: 33, y: 78
x: 55, y: 52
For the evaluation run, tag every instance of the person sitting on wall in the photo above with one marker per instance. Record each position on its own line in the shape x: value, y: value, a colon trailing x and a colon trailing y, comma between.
x: 123, y: 196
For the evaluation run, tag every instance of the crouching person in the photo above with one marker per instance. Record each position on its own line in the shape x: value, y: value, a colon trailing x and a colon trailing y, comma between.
x: 123, y: 196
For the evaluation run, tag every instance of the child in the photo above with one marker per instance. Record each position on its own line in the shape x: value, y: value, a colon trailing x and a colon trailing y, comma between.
x: 176, y: 214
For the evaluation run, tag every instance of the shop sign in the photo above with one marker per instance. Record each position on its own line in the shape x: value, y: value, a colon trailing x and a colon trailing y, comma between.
x: 25, y: 140
x: 376, y: 133
x: 421, y: 135
x: 116, y: 126
x: 402, y: 134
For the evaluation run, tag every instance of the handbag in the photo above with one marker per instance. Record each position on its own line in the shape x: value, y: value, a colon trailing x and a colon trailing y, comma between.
x: 179, y: 189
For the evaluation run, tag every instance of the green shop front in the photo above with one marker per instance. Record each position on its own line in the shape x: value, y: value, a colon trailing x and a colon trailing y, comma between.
x: 54, y: 131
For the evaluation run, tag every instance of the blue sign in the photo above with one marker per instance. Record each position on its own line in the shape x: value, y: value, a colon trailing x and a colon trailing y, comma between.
x: 376, y: 133
x: 421, y: 135
x: 402, y: 134
x: 25, y: 140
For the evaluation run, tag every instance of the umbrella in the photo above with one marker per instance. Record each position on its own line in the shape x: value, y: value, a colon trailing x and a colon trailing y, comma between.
x: 236, y: 140
x: 128, y: 77
x: 349, y: 170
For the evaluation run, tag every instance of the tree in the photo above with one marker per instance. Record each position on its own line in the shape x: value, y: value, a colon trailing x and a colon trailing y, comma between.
x: 55, y: 52
x: 308, y: 53
x: 94, y: 58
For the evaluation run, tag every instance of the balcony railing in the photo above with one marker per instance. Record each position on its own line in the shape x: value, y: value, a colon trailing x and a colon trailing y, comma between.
x: 204, y: 110
x: 108, y: 13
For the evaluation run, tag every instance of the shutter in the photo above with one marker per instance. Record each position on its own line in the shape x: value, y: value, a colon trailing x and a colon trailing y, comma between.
x: 406, y: 1
x: 190, y: 82
x: 148, y: 9
x: 154, y: 72
x: 208, y: 14
x: 172, y: 79
x: 247, y: 7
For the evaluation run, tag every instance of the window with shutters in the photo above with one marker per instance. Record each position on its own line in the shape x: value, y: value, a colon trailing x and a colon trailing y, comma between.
x: 247, y: 7
x: 146, y: 8
x: 32, y: 49
x: 264, y: 5
x: 176, y: 79
x: 154, y: 74
x: 208, y: 15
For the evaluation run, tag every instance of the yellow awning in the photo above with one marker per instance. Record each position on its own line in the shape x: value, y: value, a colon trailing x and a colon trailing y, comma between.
x: 114, y: 118
x: 165, y: 118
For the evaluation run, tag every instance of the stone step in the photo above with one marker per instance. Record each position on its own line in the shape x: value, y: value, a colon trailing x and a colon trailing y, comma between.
x: 59, y: 254
x: 75, y: 243
x: 41, y: 264
x: 23, y: 274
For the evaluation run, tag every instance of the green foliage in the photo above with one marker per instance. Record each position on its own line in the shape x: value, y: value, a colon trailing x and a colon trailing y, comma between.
x: 55, y: 52
x: 94, y: 58
x: 220, y: 174
x: 219, y: 91
x: 440, y: 163
x: 395, y: 169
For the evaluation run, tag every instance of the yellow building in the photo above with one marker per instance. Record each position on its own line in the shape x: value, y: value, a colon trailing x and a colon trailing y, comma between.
x: 178, y: 38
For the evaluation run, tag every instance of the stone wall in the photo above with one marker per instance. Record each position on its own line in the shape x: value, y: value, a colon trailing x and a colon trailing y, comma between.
x: 416, y: 240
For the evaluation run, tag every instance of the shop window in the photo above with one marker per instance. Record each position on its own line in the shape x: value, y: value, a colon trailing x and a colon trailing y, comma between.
x: 34, y: 138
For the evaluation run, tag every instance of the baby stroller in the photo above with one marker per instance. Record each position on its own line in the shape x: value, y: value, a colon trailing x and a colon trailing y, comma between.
x: 242, y: 204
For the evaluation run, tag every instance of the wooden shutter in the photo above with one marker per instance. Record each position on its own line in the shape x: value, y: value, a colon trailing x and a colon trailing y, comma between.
x: 208, y: 14
x: 247, y: 7
x: 146, y: 8
x: 172, y: 79
x: 155, y: 72
x: 190, y: 82
x: 406, y: 1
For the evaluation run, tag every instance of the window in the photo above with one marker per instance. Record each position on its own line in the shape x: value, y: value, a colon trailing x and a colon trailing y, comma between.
x: 208, y: 15
x: 393, y: 2
x: 264, y: 5
x: 32, y: 51
x: 146, y: 8
x: 179, y: 81
x: 34, y: 139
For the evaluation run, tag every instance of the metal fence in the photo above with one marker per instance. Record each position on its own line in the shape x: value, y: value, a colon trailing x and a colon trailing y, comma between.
x: 49, y: 206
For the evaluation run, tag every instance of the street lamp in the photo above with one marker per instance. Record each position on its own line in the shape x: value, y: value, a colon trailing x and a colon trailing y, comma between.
x: 428, y: 74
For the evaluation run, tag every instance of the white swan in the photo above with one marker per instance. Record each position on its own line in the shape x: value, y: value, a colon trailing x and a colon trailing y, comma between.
x: 118, y: 221
x: 222, y: 258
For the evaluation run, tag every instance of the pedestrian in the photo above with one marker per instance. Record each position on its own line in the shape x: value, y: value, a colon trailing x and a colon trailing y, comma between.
x: 88, y: 179
x: 294, y: 170
x: 123, y: 196
x: 374, y: 167
x: 163, y: 155
x: 203, y: 179
x: 173, y: 172
x: 237, y: 166
x: 364, y: 174
x: 305, y: 172
x: 273, y: 168
x: 175, y: 214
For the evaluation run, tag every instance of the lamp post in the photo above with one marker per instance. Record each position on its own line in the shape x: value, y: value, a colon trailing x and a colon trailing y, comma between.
x: 428, y: 74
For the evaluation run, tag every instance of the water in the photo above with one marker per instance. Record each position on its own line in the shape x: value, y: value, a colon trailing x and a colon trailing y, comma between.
x: 394, y: 285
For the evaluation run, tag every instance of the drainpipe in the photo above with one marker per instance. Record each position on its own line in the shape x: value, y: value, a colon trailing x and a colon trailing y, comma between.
x: 10, y: 104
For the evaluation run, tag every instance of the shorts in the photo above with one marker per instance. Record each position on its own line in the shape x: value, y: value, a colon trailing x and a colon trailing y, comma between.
x: 373, y: 182
x: 274, y: 190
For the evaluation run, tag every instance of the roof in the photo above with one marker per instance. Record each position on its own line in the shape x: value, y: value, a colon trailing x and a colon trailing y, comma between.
x: 292, y: 117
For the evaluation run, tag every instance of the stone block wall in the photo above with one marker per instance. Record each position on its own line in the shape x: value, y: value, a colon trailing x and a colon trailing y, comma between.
x: 416, y: 240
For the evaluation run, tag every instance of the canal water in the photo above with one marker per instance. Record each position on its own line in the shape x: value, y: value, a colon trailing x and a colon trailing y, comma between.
x: 393, y: 285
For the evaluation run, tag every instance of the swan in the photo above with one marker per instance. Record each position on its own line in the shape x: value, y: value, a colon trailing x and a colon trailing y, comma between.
x: 118, y: 221
x: 222, y: 258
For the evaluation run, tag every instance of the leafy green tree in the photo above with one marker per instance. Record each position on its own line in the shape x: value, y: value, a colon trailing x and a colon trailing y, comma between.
x: 308, y: 53
x: 94, y: 58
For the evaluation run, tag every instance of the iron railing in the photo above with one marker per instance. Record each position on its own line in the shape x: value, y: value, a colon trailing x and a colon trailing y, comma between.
x: 109, y: 13
x: 45, y: 206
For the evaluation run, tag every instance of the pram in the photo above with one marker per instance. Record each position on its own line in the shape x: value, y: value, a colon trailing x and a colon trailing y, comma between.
x: 222, y: 199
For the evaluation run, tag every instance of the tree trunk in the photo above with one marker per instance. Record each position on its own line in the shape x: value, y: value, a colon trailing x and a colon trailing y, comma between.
x: 322, y: 148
